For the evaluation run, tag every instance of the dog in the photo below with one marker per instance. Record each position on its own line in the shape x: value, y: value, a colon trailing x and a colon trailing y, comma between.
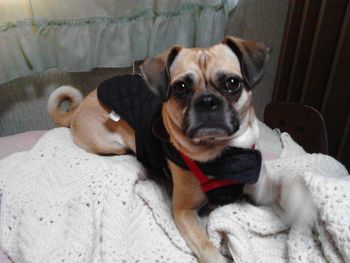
x: 205, y: 98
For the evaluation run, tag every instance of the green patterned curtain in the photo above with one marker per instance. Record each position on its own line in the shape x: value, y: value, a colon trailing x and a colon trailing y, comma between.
x: 78, y: 35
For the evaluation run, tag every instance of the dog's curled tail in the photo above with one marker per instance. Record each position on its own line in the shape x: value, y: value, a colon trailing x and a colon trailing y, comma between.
x: 61, y: 94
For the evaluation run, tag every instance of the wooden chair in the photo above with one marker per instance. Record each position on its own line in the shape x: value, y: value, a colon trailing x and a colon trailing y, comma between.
x: 304, y: 123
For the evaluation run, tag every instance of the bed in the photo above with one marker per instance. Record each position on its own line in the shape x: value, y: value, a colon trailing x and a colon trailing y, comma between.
x: 61, y: 204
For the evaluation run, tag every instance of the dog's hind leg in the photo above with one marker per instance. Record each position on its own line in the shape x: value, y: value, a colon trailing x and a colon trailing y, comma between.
x: 108, y: 138
x: 113, y: 145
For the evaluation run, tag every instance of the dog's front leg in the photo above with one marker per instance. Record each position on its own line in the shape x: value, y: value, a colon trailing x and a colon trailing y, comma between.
x: 289, y: 193
x: 187, y: 199
x: 265, y: 191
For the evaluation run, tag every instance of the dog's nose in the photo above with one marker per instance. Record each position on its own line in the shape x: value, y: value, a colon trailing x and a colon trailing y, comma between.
x: 208, y: 102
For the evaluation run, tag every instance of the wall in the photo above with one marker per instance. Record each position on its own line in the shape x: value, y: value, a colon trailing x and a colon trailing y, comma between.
x: 261, y: 20
x: 23, y: 101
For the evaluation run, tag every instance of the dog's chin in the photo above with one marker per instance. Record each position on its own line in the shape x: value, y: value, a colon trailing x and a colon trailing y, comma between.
x: 211, y: 135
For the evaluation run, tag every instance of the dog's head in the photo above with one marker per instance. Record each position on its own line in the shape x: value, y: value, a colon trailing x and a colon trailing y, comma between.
x: 207, y: 91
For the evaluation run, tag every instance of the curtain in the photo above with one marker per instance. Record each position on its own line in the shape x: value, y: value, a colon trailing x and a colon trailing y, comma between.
x: 314, y: 66
x: 79, y: 35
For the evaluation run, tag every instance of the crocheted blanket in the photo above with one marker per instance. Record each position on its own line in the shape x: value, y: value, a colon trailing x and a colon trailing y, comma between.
x: 61, y: 204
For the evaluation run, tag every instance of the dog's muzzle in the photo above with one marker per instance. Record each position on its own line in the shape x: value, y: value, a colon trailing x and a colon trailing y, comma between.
x: 210, y: 118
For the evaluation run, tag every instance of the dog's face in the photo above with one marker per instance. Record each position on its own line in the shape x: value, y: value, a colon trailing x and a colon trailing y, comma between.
x: 207, y: 92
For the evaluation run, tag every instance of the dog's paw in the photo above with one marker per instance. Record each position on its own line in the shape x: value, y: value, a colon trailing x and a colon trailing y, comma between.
x: 212, y: 255
x: 214, y: 259
x: 297, y: 204
x: 265, y: 191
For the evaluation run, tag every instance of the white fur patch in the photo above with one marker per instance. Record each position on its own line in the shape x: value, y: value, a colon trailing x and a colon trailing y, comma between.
x: 297, y: 203
x: 247, y: 136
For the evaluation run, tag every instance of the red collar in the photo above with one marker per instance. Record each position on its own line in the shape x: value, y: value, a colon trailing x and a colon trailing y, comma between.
x: 206, y: 183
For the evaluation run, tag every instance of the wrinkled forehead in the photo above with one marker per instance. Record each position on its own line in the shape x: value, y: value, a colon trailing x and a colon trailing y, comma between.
x: 207, y: 62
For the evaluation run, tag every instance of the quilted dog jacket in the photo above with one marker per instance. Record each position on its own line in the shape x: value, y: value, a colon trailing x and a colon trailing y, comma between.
x: 132, y: 100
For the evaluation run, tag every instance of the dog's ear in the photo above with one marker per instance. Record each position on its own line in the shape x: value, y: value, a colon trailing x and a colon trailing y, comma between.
x: 155, y: 71
x: 253, y: 57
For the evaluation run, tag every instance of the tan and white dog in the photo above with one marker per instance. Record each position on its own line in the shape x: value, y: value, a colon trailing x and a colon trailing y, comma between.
x: 207, y: 107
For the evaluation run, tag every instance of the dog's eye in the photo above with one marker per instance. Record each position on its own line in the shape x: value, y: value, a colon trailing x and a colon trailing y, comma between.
x: 233, y: 85
x: 181, y: 88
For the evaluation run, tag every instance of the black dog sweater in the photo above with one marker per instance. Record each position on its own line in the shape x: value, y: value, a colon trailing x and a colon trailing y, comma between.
x: 132, y: 100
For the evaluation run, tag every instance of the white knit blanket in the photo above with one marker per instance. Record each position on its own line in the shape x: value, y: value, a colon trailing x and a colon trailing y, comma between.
x: 61, y: 204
